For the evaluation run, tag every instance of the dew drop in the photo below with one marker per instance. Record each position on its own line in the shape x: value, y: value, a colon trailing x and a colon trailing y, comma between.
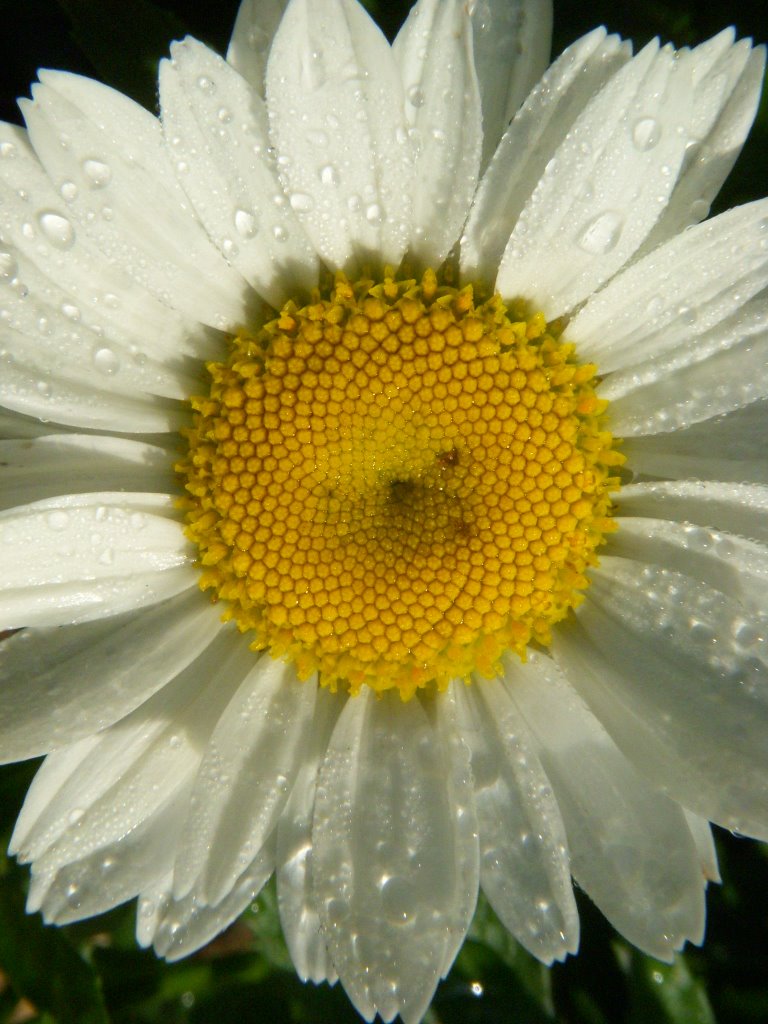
x: 7, y: 149
x: 229, y: 248
x: 57, y: 520
x: 398, y: 899
x: 57, y: 229
x: 206, y: 84
x: 75, y: 815
x: 68, y: 191
x: 281, y: 235
x: 415, y: 96
x: 687, y: 315
x: 646, y: 133
x: 329, y: 175
x: 317, y: 138
x: 146, y: 907
x: 245, y: 223
x: 373, y: 214
x: 301, y: 202
x: 224, y: 115
x: 8, y: 265
x: 44, y: 388
x: 70, y: 312
x: 105, y: 361
x: 97, y: 172
x: 601, y: 234
x: 699, y: 209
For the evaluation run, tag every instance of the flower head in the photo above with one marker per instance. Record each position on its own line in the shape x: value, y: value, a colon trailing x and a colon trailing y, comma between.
x: 385, y: 498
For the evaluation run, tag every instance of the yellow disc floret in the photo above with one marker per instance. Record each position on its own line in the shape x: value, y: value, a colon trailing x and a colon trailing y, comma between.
x: 393, y: 485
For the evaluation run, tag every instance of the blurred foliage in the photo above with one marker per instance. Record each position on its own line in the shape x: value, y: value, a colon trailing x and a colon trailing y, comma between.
x: 92, y: 972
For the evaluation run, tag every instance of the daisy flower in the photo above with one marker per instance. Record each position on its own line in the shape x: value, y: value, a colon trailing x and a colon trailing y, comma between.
x: 384, y: 485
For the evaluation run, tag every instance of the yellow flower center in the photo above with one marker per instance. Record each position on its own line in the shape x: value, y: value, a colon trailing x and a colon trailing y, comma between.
x: 394, y: 485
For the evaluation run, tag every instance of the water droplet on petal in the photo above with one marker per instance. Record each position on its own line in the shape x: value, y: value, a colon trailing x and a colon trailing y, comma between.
x: 57, y: 229
x: 75, y: 815
x: 415, y: 96
x: 301, y: 202
x: 8, y: 265
x: 206, y: 85
x: 44, y: 388
x: 646, y: 133
x: 329, y: 175
x: 601, y: 234
x: 373, y: 214
x: 68, y: 191
x: 70, y: 312
x: 245, y: 222
x: 281, y: 235
x: 105, y: 361
x: 224, y: 115
x: 7, y: 149
x: 398, y: 898
x: 317, y: 138
x: 58, y: 521
x: 97, y: 172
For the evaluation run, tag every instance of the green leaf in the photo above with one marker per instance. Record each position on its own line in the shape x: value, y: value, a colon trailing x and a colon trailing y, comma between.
x: 124, y: 42
x: 666, y: 993
x: 42, y: 965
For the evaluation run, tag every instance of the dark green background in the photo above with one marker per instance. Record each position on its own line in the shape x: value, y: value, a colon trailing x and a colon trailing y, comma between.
x: 92, y: 973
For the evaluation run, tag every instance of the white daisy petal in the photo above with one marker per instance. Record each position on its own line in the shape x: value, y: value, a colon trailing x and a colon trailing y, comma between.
x: 706, y: 376
x: 529, y: 143
x: 99, y: 789
x: 298, y: 913
x: 730, y: 447
x: 512, y: 40
x: 38, y: 468
x: 735, y: 566
x: 434, y: 54
x: 185, y: 925
x: 630, y: 847
x: 688, y: 712
x: 391, y: 844
x: 112, y: 874
x: 245, y: 779
x: 83, y: 557
x: 53, y: 398
x: 524, y: 864
x: 705, y: 845
x: 115, y: 157
x: 458, y: 775
x: 336, y: 104
x: 16, y: 427
x: 736, y: 508
x: 97, y: 294
x: 604, y: 188
x: 217, y: 132
x: 727, y: 84
x: 51, y: 337
x: 675, y: 294
x: 252, y: 35
x: 59, y: 685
